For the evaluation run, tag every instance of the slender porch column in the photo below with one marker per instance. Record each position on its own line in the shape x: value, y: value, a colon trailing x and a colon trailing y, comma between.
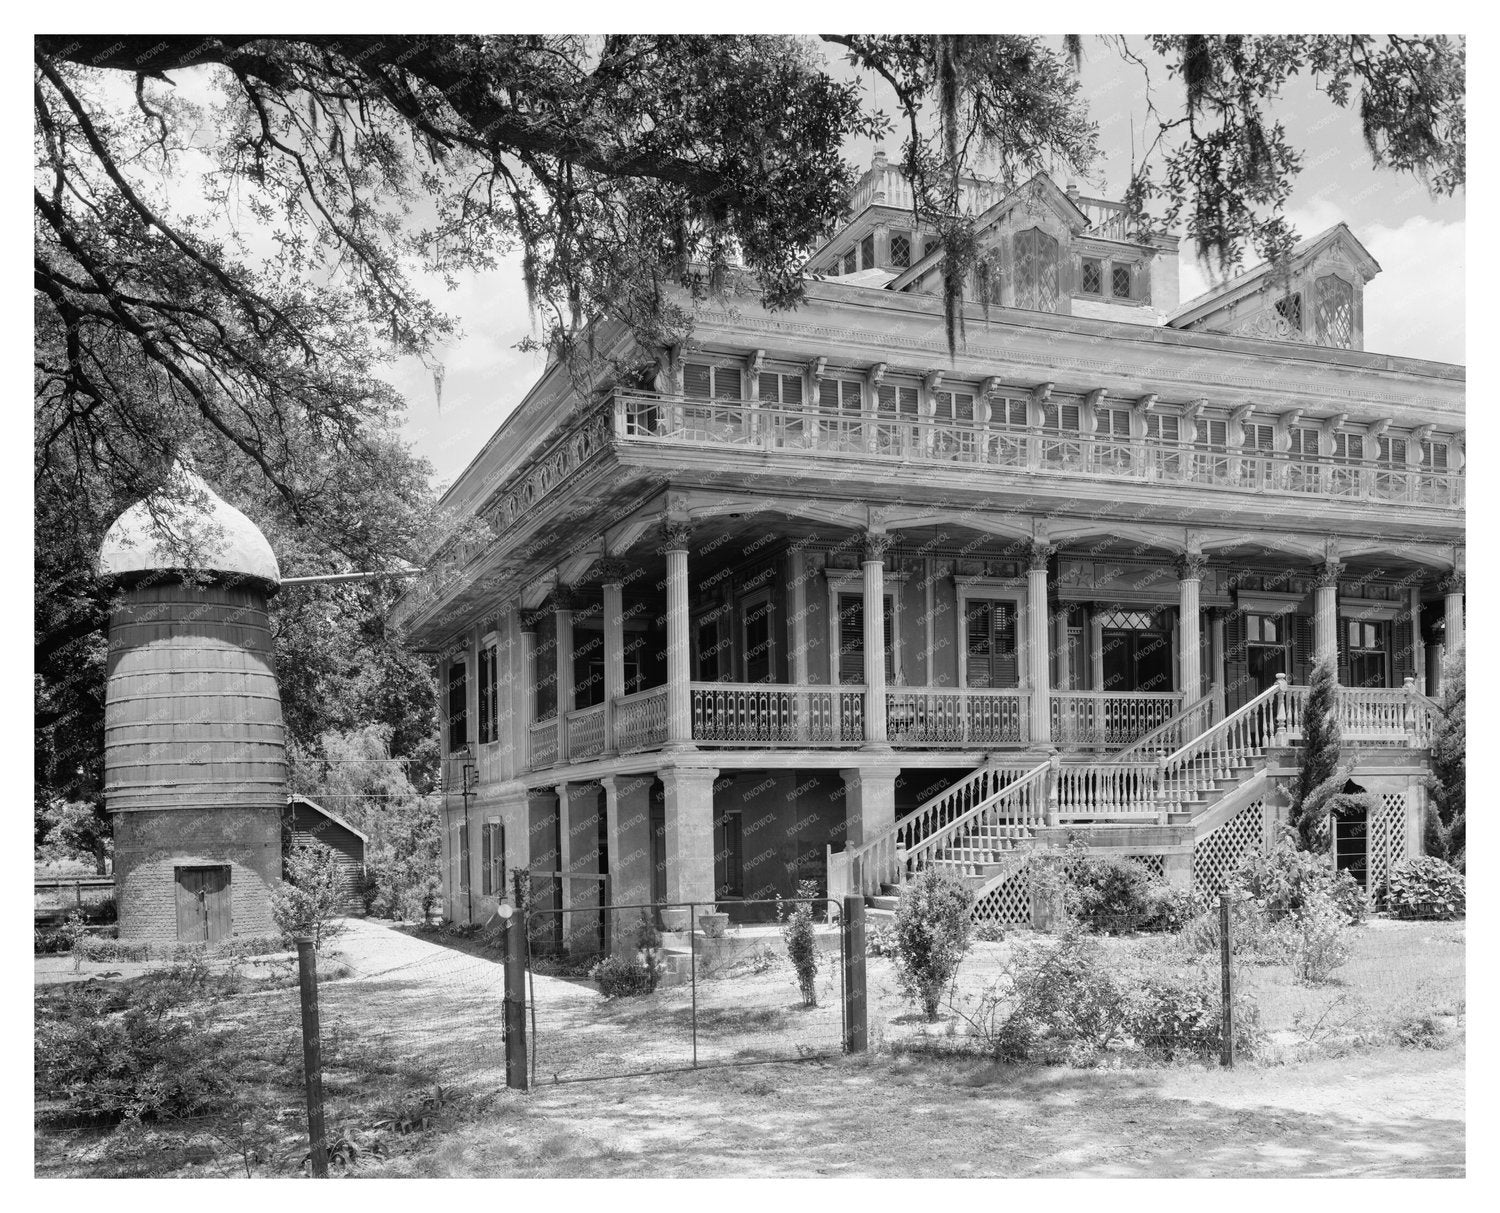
x: 1190, y: 566
x: 1326, y: 613
x: 613, y: 574
x: 797, y: 573
x: 562, y: 614
x: 873, y: 563
x: 525, y: 689
x: 1453, y: 611
x: 1418, y: 646
x: 1038, y: 666
x: 1216, y: 650
x: 675, y: 538
x: 689, y: 797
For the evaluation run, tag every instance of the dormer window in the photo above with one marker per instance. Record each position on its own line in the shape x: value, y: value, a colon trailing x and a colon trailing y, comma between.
x: 1093, y: 276
x: 1119, y: 281
x: 850, y: 263
x: 1289, y: 308
x: 900, y: 250
x: 1334, y: 312
x: 1036, y: 271
x: 1098, y: 275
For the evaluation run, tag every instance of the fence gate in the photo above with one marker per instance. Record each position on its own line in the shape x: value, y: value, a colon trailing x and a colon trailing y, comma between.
x: 726, y: 994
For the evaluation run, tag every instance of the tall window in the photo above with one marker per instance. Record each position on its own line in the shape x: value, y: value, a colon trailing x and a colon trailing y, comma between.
x: 900, y: 250
x: 756, y: 631
x: 489, y: 693
x: 463, y: 857
x: 1366, y: 647
x: 852, y: 639
x: 1036, y: 271
x: 729, y: 855
x: 1120, y: 279
x: 867, y: 252
x: 1334, y: 312
x: 458, y: 713
x: 990, y: 648
x: 1266, y: 640
x: 492, y: 860
x: 714, y: 645
x: 701, y: 381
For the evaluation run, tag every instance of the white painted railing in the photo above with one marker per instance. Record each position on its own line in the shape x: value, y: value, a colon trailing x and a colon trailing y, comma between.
x: 883, y: 859
x: 1242, y: 736
x: 978, y: 840
x: 649, y: 416
x: 956, y: 717
x: 544, y: 747
x: 1106, y: 791
x: 586, y: 732
x: 641, y: 720
x: 1105, y: 718
x: 752, y: 713
x: 1399, y: 716
x: 1178, y: 731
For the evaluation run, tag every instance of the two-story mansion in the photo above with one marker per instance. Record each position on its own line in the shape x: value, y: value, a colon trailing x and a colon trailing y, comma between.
x: 817, y: 601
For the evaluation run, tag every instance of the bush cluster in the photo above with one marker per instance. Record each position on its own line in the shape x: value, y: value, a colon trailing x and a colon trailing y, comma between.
x: 1424, y: 887
x: 1112, y: 893
x: 1286, y: 878
x: 106, y: 949
x: 801, y: 943
x: 625, y: 977
x: 932, y: 935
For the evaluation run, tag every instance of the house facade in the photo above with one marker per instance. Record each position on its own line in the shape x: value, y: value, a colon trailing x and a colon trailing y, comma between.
x: 812, y: 600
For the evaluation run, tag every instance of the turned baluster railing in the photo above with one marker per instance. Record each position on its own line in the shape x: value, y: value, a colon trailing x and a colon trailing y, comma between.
x: 1172, y: 735
x: 1243, y: 734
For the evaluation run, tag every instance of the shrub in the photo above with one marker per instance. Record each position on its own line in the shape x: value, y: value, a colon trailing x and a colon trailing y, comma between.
x: 311, y: 897
x: 932, y: 935
x: 801, y: 945
x: 1285, y: 879
x: 1424, y: 887
x: 881, y: 941
x: 1252, y: 934
x: 618, y: 977
x: 1445, y: 832
x: 1114, y: 893
x: 1067, y: 1003
x: 1319, y: 940
x: 1169, y: 908
x: 63, y: 938
x: 1423, y: 1030
x: 988, y: 932
x: 1177, y: 1014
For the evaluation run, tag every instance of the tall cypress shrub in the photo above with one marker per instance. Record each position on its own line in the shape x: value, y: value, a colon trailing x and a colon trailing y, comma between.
x: 1321, y: 777
x: 1445, y: 786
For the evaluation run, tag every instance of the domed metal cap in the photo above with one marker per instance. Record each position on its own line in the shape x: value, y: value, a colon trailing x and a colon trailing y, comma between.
x: 193, y: 530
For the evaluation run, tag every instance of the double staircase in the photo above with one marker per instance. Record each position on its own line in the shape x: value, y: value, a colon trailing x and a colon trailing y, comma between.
x: 1198, y: 765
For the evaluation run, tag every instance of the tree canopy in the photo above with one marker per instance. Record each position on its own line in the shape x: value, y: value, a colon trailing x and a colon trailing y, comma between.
x: 225, y: 279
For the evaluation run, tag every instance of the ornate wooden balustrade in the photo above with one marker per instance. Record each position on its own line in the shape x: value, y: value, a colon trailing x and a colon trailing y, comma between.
x: 929, y: 716
x: 544, y: 744
x: 1111, y: 791
x: 1166, y: 738
x: 586, y: 737
x: 641, y: 720
x: 731, y: 713
x: 650, y: 416
x: 1105, y: 718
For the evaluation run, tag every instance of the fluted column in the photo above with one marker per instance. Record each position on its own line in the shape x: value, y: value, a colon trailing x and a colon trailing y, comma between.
x: 1216, y: 674
x: 562, y: 615
x: 1326, y: 613
x: 1453, y: 610
x: 1037, y: 663
x: 1190, y: 566
x: 612, y: 573
x: 675, y: 538
x: 873, y: 563
x: 1418, y: 647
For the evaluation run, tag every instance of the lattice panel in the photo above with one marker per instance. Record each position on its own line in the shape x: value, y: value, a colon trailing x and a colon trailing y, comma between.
x: 1009, y: 903
x: 1386, y: 839
x: 1219, y: 853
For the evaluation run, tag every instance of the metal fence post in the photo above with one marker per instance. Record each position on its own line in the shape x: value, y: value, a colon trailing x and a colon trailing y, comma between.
x: 1226, y: 984
x: 312, y: 1061
x: 516, y: 1075
x: 856, y: 1024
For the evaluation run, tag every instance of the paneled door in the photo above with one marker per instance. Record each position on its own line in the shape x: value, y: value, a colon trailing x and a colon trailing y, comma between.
x: 203, y: 914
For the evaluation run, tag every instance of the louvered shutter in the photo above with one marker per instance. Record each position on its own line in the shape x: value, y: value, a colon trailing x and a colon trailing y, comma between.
x: 779, y: 387
x: 851, y: 638
x: 458, y: 716
x: 963, y: 406
x: 1393, y: 453
x: 1260, y: 437
x: 1435, y: 456
x: 898, y: 399
x: 697, y: 380
x: 1161, y: 428
x: 1113, y: 423
x: 1403, y: 664
x: 1302, y: 649
x: 1343, y: 644
x: 728, y: 383
x: 1010, y: 412
x: 1237, y: 689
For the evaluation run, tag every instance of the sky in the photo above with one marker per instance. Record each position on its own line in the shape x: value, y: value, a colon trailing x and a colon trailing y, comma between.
x: 1414, y: 307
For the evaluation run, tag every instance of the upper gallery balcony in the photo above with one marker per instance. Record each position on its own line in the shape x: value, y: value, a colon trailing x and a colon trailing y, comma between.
x: 1362, y: 467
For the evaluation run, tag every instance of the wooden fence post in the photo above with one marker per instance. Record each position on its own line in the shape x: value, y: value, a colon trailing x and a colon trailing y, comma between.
x: 1226, y: 983
x: 517, y: 1074
x: 312, y: 1059
x: 856, y: 1015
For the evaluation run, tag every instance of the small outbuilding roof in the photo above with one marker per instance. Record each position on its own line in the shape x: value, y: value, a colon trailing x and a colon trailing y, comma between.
x: 297, y: 798
x: 187, y: 526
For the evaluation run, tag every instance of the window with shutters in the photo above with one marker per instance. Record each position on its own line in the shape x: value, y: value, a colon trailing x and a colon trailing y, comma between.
x: 782, y: 388
x: 756, y: 633
x: 1112, y: 439
x: 839, y: 396
x: 1120, y: 277
x: 990, y: 656
x: 1258, y: 445
x: 851, y: 653
x: 899, y: 400
x: 1009, y: 412
x: 867, y: 252
x: 492, y: 860
x: 1390, y: 459
x: 463, y: 857
x: 1164, y: 432
x: 489, y: 685
x: 1289, y: 309
x: 1366, y: 648
x: 1334, y: 312
x: 1037, y: 286
x: 729, y: 854
x: 953, y: 406
x: 1091, y: 280
x: 713, y: 645
x: 900, y: 250
x: 458, y: 713
x: 1211, y: 445
x: 1435, y: 456
x: 1062, y: 442
x: 703, y: 381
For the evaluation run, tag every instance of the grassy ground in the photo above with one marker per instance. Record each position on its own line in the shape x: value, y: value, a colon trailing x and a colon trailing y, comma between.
x: 414, y: 1072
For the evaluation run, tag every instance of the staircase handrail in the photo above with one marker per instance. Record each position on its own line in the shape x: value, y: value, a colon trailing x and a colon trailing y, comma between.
x: 1242, y: 713
x: 1143, y: 743
x: 873, y: 861
x: 1244, y: 733
x: 920, y: 855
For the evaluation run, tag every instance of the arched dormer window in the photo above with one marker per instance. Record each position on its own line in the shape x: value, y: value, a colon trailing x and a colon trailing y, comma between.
x: 1037, y: 271
x: 1334, y: 312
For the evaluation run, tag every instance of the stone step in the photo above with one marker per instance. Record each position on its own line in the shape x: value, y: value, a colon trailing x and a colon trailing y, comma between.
x: 882, y: 902
x: 878, y: 917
